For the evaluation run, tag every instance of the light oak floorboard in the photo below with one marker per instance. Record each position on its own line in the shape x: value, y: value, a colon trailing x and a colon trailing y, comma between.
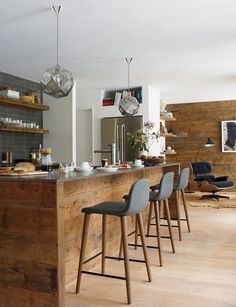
x: 202, y: 273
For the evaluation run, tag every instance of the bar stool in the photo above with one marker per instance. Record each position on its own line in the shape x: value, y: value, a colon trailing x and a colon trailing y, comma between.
x: 157, y: 200
x: 137, y: 202
x: 179, y: 188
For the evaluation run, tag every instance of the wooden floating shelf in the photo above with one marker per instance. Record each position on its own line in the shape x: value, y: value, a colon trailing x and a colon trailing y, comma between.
x: 21, y: 129
x: 168, y: 135
x: 21, y: 104
x: 167, y: 118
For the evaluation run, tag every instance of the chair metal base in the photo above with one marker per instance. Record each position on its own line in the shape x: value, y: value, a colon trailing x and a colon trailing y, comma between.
x: 215, y: 196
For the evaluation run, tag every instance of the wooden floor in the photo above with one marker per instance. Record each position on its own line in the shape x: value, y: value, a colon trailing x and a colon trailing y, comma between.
x: 202, y: 273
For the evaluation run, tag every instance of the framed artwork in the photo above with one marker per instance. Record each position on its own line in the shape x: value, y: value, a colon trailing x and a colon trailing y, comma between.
x: 228, y: 135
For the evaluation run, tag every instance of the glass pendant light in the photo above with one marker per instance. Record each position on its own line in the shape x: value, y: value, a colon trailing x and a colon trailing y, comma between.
x: 128, y: 105
x: 57, y: 81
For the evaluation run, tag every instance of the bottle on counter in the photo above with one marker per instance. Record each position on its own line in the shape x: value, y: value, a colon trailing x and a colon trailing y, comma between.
x: 39, y: 154
x: 46, y: 159
x: 33, y: 156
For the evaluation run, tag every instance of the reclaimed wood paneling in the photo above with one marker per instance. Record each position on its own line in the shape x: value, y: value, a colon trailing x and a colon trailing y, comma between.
x: 28, y: 244
x: 12, y: 297
x: 194, y: 123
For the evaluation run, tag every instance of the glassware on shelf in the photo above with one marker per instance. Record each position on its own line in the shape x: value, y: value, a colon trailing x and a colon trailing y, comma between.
x: 8, y: 121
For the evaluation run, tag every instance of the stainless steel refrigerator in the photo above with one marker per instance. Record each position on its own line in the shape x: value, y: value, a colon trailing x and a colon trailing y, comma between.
x: 114, y: 130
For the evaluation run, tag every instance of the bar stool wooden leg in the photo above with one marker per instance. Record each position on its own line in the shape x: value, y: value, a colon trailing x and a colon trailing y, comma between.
x: 136, y: 232
x: 135, y: 238
x: 126, y: 256
x: 185, y: 209
x: 104, y: 224
x: 149, y: 218
x: 82, y: 251
x: 169, y: 224
x: 178, y: 214
x: 161, y: 208
x: 139, y: 218
x: 121, y: 246
x: 157, y: 216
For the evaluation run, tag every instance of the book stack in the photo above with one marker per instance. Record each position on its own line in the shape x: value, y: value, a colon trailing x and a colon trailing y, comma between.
x: 107, y: 102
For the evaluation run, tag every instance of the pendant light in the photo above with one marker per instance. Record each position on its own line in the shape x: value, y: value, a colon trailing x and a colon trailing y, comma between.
x: 57, y: 81
x: 128, y: 105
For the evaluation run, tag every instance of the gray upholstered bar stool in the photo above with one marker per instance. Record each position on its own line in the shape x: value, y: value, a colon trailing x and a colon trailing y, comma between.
x: 157, y: 200
x: 138, y: 200
x: 179, y: 188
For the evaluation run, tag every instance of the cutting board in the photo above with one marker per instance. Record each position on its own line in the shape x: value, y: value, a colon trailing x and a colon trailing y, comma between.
x: 25, y: 174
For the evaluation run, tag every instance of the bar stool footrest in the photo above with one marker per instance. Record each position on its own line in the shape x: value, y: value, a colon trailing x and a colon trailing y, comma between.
x: 155, y: 236
x: 91, y: 258
x: 121, y: 258
x: 165, y: 225
x: 104, y: 275
x: 171, y: 225
x: 139, y: 245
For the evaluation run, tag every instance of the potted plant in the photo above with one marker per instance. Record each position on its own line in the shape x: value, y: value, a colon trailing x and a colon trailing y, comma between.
x: 142, y: 139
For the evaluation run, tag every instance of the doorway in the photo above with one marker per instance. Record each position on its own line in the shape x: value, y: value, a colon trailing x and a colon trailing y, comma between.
x: 84, y: 136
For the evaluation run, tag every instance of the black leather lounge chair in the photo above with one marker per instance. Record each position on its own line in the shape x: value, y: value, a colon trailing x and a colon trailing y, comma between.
x: 209, y: 183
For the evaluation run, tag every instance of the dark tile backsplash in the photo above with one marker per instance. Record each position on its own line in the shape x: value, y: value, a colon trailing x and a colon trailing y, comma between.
x: 20, y: 143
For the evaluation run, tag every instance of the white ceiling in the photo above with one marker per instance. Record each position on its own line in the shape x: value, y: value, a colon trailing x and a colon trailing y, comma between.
x: 187, y: 48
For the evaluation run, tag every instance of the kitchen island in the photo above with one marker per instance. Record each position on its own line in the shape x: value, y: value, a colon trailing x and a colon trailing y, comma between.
x: 41, y: 226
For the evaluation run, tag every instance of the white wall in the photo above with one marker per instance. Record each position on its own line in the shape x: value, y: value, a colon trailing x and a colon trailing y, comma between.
x: 88, y: 99
x: 153, y: 115
x: 200, y: 91
x: 59, y: 121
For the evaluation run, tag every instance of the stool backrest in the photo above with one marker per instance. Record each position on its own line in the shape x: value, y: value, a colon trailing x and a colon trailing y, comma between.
x: 183, y: 178
x: 166, y: 186
x: 138, y: 197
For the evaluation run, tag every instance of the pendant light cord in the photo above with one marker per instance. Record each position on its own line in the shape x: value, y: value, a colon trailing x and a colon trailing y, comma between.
x: 57, y: 10
x: 128, y: 61
x: 57, y: 38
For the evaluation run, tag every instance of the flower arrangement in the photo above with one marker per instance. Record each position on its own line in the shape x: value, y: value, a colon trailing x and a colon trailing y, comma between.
x: 142, y: 140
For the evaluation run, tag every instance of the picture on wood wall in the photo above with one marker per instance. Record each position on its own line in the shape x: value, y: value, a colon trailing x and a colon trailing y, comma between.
x: 228, y: 135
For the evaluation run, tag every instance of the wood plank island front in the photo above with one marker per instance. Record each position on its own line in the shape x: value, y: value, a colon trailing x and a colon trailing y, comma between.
x: 41, y: 226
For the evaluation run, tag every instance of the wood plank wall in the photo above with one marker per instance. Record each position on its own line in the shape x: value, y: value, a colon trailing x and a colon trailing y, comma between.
x: 194, y: 123
x: 29, y: 245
